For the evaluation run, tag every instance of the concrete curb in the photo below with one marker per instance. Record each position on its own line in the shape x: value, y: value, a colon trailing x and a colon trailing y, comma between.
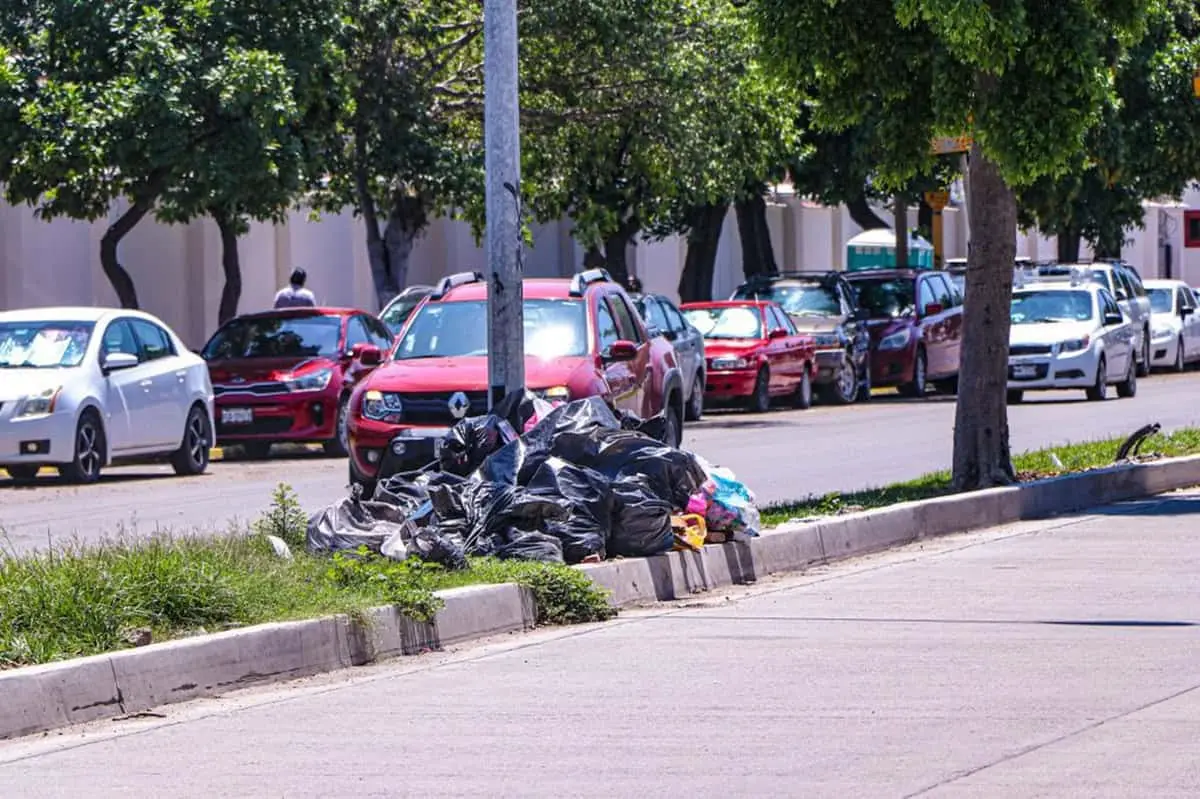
x: 41, y: 698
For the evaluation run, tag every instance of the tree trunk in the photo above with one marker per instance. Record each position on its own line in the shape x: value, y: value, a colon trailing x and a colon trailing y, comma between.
x: 706, y: 223
x: 121, y: 282
x: 863, y: 215
x: 615, y: 248
x: 231, y: 266
x: 1068, y: 246
x: 1110, y: 241
x: 900, y: 215
x: 406, y: 221
x: 982, y: 458
x: 377, y: 251
x: 758, y: 255
x: 925, y: 221
x: 593, y: 258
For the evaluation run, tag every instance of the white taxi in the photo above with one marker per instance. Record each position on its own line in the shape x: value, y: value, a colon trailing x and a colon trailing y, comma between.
x: 81, y: 388
x: 1070, y: 335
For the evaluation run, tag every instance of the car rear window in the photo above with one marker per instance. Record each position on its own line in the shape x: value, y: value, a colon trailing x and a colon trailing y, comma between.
x: 553, y: 329
x: 276, y: 337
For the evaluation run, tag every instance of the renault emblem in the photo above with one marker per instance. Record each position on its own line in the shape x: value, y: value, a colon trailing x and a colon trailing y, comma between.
x: 459, y: 405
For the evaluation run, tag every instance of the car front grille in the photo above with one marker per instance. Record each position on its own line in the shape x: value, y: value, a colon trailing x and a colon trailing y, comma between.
x: 254, y: 389
x: 434, y: 408
x: 1030, y: 349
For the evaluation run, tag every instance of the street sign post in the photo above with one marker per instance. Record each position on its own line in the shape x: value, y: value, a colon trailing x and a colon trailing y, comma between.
x: 937, y: 201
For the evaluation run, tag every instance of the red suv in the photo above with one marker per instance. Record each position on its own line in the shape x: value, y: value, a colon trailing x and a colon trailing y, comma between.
x: 915, y: 321
x: 582, y: 338
x: 286, y: 375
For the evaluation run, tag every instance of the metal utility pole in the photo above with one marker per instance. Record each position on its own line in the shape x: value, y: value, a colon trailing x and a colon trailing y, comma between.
x: 502, y: 162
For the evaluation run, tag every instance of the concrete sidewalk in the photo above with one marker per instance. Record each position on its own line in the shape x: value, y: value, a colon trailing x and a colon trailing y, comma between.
x: 1055, y: 658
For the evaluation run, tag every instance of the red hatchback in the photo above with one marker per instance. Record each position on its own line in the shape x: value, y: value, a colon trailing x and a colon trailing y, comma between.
x: 915, y: 320
x: 754, y: 353
x: 286, y: 375
x: 583, y: 338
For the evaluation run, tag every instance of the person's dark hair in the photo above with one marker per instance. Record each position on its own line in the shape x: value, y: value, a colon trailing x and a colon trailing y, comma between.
x: 299, y: 276
x: 635, y: 285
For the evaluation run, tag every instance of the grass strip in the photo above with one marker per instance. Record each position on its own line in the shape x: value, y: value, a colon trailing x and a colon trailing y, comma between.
x: 1029, y: 466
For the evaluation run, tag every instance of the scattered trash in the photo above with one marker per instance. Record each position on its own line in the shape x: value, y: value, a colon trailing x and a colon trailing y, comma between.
x: 281, y: 548
x: 580, y: 484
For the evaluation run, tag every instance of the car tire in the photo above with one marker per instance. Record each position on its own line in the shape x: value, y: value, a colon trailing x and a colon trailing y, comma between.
x: 367, y: 484
x: 917, y: 386
x: 864, y: 383
x: 844, y: 388
x: 760, y: 400
x: 88, y: 460
x: 256, y: 450
x: 22, y: 475
x: 192, y: 456
x: 1099, y: 391
x: 802, y: 399
x: 1015, y: 396
x: 1180, y: 357
x: 339, y: 445
x: 695, y: 406
x: 1143, y: 368
x: 674, y: 432
x: 1127, y: 388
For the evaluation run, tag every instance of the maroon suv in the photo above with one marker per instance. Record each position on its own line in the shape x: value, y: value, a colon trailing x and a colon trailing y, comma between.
x: 915, y: 322
x: 286, y: 375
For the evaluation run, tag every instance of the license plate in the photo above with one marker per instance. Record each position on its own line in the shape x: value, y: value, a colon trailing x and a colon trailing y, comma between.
x: 237, y: 415
x: 1024, y: 370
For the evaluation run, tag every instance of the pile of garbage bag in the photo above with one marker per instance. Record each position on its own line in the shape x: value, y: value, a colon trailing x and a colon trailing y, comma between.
x: 580, y: 482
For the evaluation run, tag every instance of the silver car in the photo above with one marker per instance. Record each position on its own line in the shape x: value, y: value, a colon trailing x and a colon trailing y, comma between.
x: 1124, y: 283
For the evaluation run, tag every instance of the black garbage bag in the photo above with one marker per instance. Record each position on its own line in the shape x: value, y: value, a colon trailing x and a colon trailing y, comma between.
x: 655, y: 427
x: 517, y: 544
x: 588, y: 495
x: 516, y: 408
x: 470, y: 441
x: 641, y: 520
x: 672, y: 474
x: 347, y: 525
x: 480, y: 513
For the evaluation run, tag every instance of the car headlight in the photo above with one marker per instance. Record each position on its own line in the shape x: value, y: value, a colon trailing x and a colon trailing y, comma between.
x: 40, y: 404
x: 896, y: 341
x: 555, y: 393
x: 825, y: 341
x: 313, y: 382
x: 1075, y: 344
x: 382, y: 405
x: 727, y: 364
x: 1162, y: 333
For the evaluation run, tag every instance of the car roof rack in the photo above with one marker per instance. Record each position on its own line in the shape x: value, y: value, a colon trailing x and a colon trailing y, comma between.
x: 586, y: 278
x: 454, y: 281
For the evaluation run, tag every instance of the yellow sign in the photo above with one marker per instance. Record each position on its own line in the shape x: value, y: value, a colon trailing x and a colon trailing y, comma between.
x: 952, y: 144
x: 937, y: 200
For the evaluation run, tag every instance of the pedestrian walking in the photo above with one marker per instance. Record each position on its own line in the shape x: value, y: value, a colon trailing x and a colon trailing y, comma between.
x: 294, y: 295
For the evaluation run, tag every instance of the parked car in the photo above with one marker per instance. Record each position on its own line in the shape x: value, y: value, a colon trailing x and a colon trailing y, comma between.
x: 583, y: 338
x: 1174, y: 325
x: 823, y: 305
x: 397, y: 312
x: 286, y: 375
x: 663, y: 317
x: 1124, y: 283
x: 755, y: 354
x: 915, y: 321
x: 1070, y: 335
x: 85, y: 388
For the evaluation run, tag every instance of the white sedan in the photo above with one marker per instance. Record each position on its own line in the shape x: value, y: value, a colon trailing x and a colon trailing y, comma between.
x: 83, y: 388
x: 1070, y: 335
x: 1174, y: 325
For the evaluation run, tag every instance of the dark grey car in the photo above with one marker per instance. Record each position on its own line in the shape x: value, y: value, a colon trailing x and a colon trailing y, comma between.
x: 663, y: 318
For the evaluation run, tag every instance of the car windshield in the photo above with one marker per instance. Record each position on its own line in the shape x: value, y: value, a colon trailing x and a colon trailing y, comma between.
x: 1161, y: 300
x: 886, y: 297
x: 1042, y: 307
x: 43, y: 345
x: 276, y: 337
x: 810, y: 299
x: 731, y: 321
x: 553, y: 329
x: 397, y: 313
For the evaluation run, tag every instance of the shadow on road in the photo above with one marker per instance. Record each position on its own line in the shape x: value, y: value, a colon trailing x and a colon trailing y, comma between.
x: 52, y: 481
x: 1158, y: 506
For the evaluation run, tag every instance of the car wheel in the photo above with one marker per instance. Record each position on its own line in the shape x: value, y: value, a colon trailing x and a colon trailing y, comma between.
x: 1128, y: 387
x: 1099, y: 391
x: 1180, y: 363
x: 1143, y: 368
x: 339, y: 445
x: 917, y: 387
x: 1015, y: 396
x: 760, y: 400
x: 192, y: 456
x: 844, y: 389
x: 256, y: 450
x: 674, y: 431
x: 22, y: 474
x: 802, y: 400
x: 864, y: 382
x: 695, y: 406
x: 89, y: 451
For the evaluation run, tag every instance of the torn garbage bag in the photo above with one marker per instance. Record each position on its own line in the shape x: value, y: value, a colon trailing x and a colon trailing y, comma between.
x: 347, y: 525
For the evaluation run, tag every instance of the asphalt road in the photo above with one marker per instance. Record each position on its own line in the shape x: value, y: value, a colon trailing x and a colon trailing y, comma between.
x: 1045, y: 659
x: 782, y: 455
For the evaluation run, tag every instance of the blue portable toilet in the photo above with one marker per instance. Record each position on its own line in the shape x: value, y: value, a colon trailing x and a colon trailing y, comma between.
x: 876, y: 249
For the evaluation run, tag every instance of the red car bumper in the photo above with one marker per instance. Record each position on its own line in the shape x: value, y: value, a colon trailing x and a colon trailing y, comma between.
x: 892, y: 367
x: 371, y: 446
x: 730, y: 384
x: 300, y: 418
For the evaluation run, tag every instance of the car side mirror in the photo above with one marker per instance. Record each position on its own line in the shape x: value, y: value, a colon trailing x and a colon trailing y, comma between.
x: 369, y: 355
x: 116, y: 361
x: 1186, y: 311
x: 1113, y: 319
x: 621, y: 351
x: 934, y: 308
x: 778, y: 332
